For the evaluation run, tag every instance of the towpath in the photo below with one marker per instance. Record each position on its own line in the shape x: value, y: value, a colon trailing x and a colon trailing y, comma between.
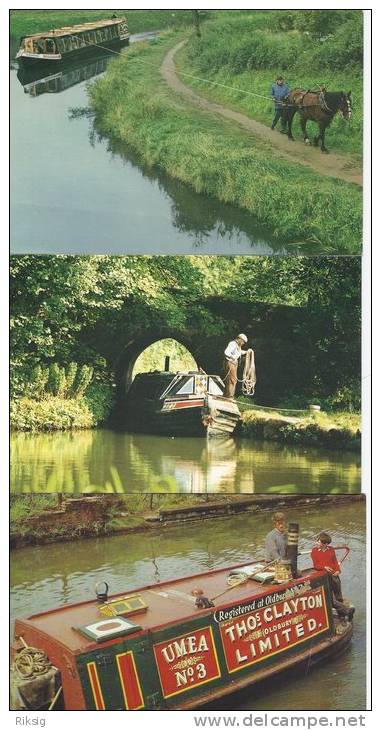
x: 332, y: 165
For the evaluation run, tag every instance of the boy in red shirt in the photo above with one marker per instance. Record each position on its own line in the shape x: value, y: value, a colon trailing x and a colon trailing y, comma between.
x: 324, y: 558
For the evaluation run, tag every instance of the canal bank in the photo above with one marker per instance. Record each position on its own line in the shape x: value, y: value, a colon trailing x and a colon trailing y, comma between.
x: 122, y: 185
x: 133, y: 104
x: 51, y: 576
x: 50, y: 520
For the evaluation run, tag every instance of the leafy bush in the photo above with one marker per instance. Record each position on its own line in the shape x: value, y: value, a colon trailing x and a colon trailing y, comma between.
x: 346, y: 398
x: 100, y: 398
x: 344, y: 49
x: 51, y: 414
x: 82, y: 380
x: 318, y: 23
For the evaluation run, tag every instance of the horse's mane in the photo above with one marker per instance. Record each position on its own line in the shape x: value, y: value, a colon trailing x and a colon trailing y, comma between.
x: 333, y: 97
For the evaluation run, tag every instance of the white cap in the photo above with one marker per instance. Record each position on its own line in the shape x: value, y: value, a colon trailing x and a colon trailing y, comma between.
x: 243, y: 337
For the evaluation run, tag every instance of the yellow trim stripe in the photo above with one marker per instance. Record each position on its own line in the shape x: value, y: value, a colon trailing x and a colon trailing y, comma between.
x: 95, y: 686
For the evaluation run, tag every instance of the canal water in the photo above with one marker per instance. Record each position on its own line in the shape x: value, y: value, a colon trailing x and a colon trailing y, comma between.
x: 54, y: 575
x: 72, y: 192
x: 105, y: 460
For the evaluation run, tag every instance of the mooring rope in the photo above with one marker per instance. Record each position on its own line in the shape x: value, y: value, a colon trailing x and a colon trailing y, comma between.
x: 255, y: 406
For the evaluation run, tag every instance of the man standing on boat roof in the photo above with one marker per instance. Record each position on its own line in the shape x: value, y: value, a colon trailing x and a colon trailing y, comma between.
x: 232, y: 353
x: 276, y: 540
x: 279, y: 91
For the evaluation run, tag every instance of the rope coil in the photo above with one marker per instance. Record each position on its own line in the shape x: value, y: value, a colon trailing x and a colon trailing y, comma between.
x: 31, y: 662
x: 249, y: 378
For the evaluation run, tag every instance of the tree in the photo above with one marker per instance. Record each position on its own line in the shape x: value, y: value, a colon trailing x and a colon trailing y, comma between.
x: 196, y: 21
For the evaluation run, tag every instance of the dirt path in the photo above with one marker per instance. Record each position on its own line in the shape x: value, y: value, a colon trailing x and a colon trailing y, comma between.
x: 332, y: 165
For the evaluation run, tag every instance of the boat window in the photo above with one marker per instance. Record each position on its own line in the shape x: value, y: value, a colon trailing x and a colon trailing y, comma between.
x: 201, y: 384
x: 187, y: 388
x: 214, y: 389
x: 50, y: 46
x: 39, y: 46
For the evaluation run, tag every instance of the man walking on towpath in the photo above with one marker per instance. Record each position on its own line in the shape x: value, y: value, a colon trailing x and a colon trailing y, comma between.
x: 232, y: 354
x: 279, y: 91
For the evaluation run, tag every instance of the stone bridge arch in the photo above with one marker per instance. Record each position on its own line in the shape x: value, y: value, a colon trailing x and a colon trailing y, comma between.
x: 125, y: 363
x: 277, y: 332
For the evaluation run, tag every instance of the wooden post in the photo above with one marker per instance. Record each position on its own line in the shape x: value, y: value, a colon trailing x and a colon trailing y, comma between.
x: 292, y: 547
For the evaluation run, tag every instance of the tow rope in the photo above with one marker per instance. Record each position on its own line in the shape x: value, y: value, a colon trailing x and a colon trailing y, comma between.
x: 192, y: 76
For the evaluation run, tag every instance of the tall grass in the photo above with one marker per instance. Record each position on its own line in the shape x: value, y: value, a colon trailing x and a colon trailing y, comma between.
x: 133, y: 105
x: 247, y: 50
x: 34, y: 21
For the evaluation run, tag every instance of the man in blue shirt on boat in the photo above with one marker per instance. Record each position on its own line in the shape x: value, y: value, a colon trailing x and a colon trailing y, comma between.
x: 279, y: 92
x: 276, y: 540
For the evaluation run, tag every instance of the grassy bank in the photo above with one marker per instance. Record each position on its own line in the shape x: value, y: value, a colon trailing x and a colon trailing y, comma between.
x: 41, y: 519
x: 34, y: 21
x: 133, y: 105
x: 246, y: 50
x: 37, y: 519
x: 334, y: 430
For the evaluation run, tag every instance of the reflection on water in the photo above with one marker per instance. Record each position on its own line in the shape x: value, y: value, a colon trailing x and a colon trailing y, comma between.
x: 85, y: 461
x: 36, y: 80
x: 53, y: 575
x: 72, y: 191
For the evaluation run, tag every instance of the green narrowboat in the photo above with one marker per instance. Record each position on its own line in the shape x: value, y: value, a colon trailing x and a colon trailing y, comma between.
x: 66, y: 43
x: 176, y: 645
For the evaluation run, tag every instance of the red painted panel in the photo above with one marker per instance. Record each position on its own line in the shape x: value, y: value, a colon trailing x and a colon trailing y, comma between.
x: 273, y: 627
x: 129, y: 680
x: 189, y: 404
x: 186, y: 661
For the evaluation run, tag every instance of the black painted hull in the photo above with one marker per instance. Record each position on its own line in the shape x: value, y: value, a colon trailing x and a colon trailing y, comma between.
x: 187, y: 421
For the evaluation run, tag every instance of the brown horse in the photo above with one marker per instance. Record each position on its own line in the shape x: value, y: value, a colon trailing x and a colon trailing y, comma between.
x: 317, y: 106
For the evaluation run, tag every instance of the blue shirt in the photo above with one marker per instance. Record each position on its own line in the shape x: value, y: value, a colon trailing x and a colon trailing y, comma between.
x: 279, y: 92
x: 276, y: 545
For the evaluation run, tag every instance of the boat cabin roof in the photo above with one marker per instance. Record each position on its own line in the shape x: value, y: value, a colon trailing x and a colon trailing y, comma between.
x: 159, y: 384
x: 72, y: 29
x: 168, y: 602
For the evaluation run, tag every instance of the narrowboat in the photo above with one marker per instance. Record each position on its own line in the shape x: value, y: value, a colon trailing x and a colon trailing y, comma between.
x: 180, y: 404
x: 177, y: 645
x: 63, y: 43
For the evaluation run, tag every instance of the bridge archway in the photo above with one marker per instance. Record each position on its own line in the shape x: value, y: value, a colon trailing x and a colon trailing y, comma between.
x: 154, y: 357
x: 125, y: 365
